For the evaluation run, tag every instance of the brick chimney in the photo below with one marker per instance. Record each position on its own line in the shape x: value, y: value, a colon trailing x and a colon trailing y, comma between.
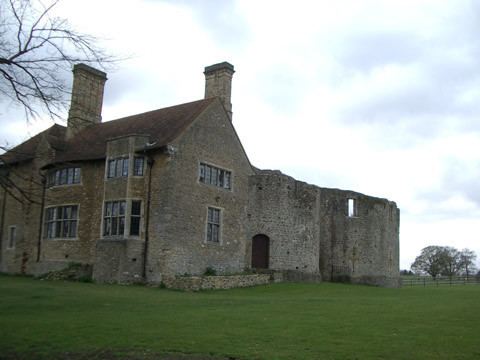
x: 87, y: 98
x: 218, y: 82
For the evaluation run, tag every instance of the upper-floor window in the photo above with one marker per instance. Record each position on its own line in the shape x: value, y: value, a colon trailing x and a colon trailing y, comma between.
x: 12, y: 236
x: 213, y: 225
x: 117, y: 167
x: 65, y: 176
x: 61, y: 222
x: 352, y: 208
x: 215, y: 176
x: 138, y: 162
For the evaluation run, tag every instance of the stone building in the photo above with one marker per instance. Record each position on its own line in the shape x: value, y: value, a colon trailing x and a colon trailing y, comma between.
x: 172, y: 192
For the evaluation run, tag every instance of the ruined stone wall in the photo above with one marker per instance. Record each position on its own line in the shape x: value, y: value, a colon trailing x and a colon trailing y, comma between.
x: 179, y: 208
x: 362, y: 248
x: 285, y: 210
x: 310, y: 230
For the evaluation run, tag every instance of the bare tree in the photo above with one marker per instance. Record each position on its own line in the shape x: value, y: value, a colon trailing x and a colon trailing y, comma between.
x: 35, y: 49
x: 467, y: 261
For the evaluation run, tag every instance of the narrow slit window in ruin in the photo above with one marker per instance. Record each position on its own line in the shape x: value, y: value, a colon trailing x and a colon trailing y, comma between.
x: 352, y: 208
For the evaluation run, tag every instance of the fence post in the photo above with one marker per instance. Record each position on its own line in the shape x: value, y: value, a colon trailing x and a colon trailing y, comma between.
x: 423, y: 282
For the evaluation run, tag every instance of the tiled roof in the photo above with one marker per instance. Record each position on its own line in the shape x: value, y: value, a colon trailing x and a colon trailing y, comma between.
x: 163, y: 126
x: 26, y: 150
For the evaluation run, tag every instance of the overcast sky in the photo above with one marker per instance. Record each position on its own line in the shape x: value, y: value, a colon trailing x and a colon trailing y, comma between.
x: 380, y: 97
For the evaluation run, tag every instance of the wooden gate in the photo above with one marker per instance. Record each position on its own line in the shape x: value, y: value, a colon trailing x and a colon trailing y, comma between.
x: 260, y: 251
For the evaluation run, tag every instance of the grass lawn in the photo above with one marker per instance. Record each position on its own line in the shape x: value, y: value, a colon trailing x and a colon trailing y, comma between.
x: 281, y: 321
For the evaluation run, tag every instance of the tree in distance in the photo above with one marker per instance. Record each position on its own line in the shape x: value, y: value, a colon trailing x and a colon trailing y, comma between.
x: 35, y: 49
x: 444, y: 260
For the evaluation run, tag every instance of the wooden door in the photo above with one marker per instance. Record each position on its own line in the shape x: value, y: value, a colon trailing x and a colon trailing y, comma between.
x: 260, y: 251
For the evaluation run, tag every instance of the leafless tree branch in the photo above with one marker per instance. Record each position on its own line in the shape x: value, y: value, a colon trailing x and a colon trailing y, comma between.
x: 35, y: 47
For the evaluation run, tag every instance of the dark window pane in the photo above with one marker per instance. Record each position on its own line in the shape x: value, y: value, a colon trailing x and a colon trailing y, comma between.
x: 111, y: 168
x: 115, y: 208
x: 58, y: 228
x: 214, y: 176
x: 76, y: 176
x: 73, y: 228
x: 138, y: 166
x: 207, y: 174
x: 65, y: 228
x: 209, y: 232
x: 70, y: 176
x: 121, y: 225
x: 74, y: 212
x: 221, y: 177
x: 121, y: 207
x: 202, y: 173
x: 124, y: 163
x: 227, y: 180
x: 50, y: 230
x: 107, y: 226
x: 63, y: 177
x: 50, y: 214
x: 114, y: 230
x: 135, y: 226
x: 136, y: 207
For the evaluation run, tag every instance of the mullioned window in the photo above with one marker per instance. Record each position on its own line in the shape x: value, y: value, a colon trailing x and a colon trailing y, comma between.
x: 215, y: 176
x: 65, y: 176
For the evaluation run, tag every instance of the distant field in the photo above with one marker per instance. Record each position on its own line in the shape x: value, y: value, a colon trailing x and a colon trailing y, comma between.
x: 283, y: 321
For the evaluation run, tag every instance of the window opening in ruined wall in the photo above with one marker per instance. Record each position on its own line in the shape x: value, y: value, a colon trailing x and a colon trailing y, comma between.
x: 66, y: 176
x: 12, y: 236
x: 215, y: 176
x: 61, y: 222
x: 352, y: 208
x: 213, y: 225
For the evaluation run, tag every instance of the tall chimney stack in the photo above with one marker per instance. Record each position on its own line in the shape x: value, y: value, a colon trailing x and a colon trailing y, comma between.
x: 87, y: 98
x: 218, y: 82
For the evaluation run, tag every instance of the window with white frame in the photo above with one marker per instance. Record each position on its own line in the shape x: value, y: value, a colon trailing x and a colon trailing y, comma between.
x: 12, y: 236
x: 117, y: 167
x: 61, y: 222
x: 215, y: 176
x: 65, y: 176
x: 213, y: 225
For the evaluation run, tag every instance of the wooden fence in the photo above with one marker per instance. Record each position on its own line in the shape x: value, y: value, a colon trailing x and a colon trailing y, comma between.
x: 439, y: 281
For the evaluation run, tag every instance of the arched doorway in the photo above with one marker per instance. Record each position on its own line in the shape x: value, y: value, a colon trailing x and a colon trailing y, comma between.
x: 260, y: 251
